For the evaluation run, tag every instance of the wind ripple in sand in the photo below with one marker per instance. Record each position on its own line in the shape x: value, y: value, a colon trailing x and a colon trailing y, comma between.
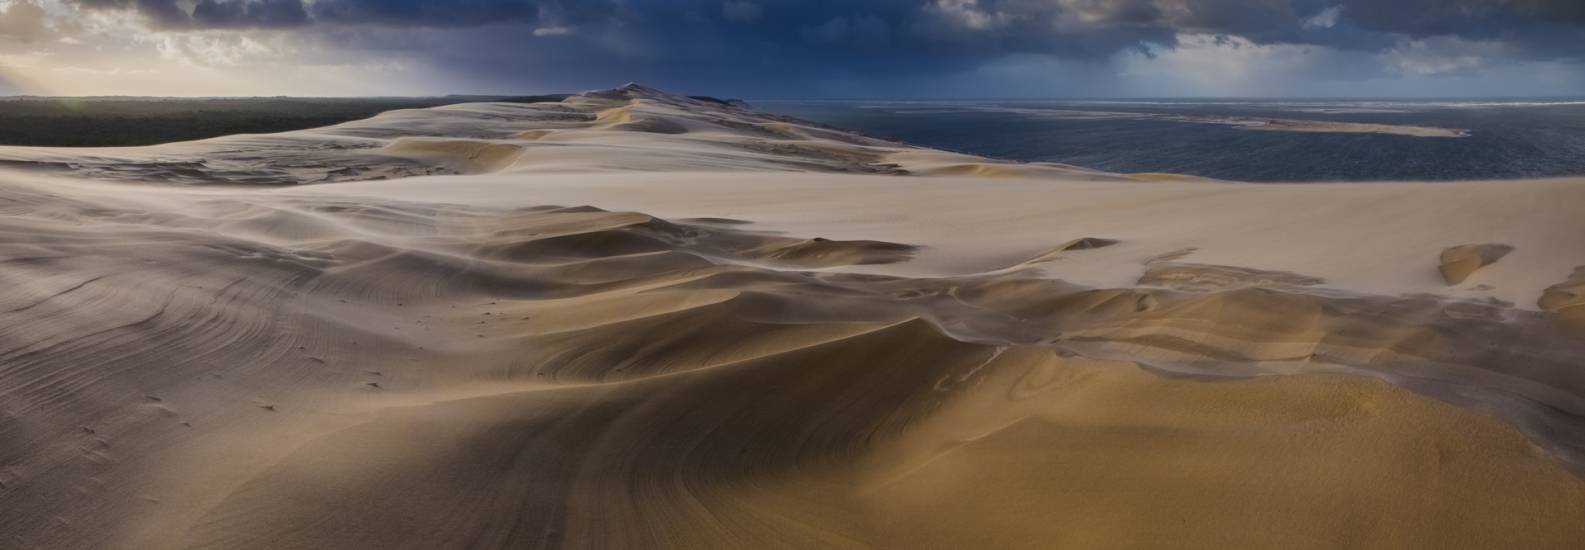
x: 544, y: 375
x: 199, y: 369
x: 1566, y: 300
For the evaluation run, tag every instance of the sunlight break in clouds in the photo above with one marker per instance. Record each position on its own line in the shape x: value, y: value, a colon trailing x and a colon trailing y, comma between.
x: 786, y: 48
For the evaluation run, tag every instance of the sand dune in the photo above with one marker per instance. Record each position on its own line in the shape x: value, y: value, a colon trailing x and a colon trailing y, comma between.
x: 1459, y: 262
x: 634, y: 320
x: 1243, y: 122
x: 1566, y: 300
x: 1082, y: 243
x: 1298, y: 125
x: 461, y: 156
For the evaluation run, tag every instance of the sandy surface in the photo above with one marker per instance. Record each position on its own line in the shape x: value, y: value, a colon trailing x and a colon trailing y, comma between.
x: 1250, y: 123
x: 631, y: 320
x: 1300, y: 125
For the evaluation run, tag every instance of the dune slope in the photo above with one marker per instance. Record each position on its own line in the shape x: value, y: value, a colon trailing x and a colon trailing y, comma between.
x: 635, y: 320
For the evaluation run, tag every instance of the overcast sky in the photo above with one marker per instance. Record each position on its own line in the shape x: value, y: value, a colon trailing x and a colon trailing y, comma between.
x: 796, y: 48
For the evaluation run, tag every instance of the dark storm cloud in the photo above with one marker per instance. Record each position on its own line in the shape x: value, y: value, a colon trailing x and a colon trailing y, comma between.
x: 435, y: 13
x: 209, y: 14
x: 163, y: 13
x: 778, y: 44
x: 252, y: 13
x: 1093, y: 28
x: 1537, y: 29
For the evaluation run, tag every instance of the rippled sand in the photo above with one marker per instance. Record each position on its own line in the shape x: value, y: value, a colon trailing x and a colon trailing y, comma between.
x: 631, y: 320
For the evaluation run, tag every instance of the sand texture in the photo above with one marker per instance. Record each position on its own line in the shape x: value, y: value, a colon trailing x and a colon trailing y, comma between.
x: 635, y: 320
x: 1242, y: 122
x: 1459, y: 262
x: 1299, y: 125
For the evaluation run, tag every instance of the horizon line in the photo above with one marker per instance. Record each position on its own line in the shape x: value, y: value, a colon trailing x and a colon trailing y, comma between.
x: 850, y: 98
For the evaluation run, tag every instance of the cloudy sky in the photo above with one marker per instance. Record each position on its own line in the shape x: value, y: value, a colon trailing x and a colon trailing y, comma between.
x: 796, y: 48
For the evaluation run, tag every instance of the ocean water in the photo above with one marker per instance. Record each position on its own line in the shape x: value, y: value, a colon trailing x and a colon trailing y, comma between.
x: 1507, y: 138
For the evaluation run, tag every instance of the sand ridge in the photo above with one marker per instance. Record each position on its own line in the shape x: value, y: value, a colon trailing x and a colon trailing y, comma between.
x: 633, y: 128
x: 1459, y: 262
x: 734, y: 346
x: 1566, y: 300
x: 1236, y: 121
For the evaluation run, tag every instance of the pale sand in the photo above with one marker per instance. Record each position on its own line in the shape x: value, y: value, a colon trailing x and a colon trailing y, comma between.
x: 1459, y: 262
x: 1252, y: 123
x: 1330, y: 127
x: 794, y: 345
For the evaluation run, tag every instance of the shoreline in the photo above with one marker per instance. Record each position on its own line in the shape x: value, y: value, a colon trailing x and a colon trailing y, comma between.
x: 1297, y: 125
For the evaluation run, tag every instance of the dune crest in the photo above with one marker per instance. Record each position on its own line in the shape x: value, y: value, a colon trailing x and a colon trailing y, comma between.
x: 1459, y: 262
x: 531, y: 326
x: 1200, y: 277
x: 464, y: 157
x: 1566, y: 300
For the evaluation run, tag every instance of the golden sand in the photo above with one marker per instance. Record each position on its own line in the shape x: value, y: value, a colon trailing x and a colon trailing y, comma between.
x: 741, y: 348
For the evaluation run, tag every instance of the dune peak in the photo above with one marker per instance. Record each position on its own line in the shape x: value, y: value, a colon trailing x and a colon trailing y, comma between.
x: 633, y: 319
x: 1459, y: 262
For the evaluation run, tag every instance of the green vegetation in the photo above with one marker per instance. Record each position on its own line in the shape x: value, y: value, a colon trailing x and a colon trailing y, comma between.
x: 104, y: 122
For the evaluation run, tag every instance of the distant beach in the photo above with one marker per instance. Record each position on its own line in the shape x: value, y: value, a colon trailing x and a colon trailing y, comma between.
x: 1293, y: 140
